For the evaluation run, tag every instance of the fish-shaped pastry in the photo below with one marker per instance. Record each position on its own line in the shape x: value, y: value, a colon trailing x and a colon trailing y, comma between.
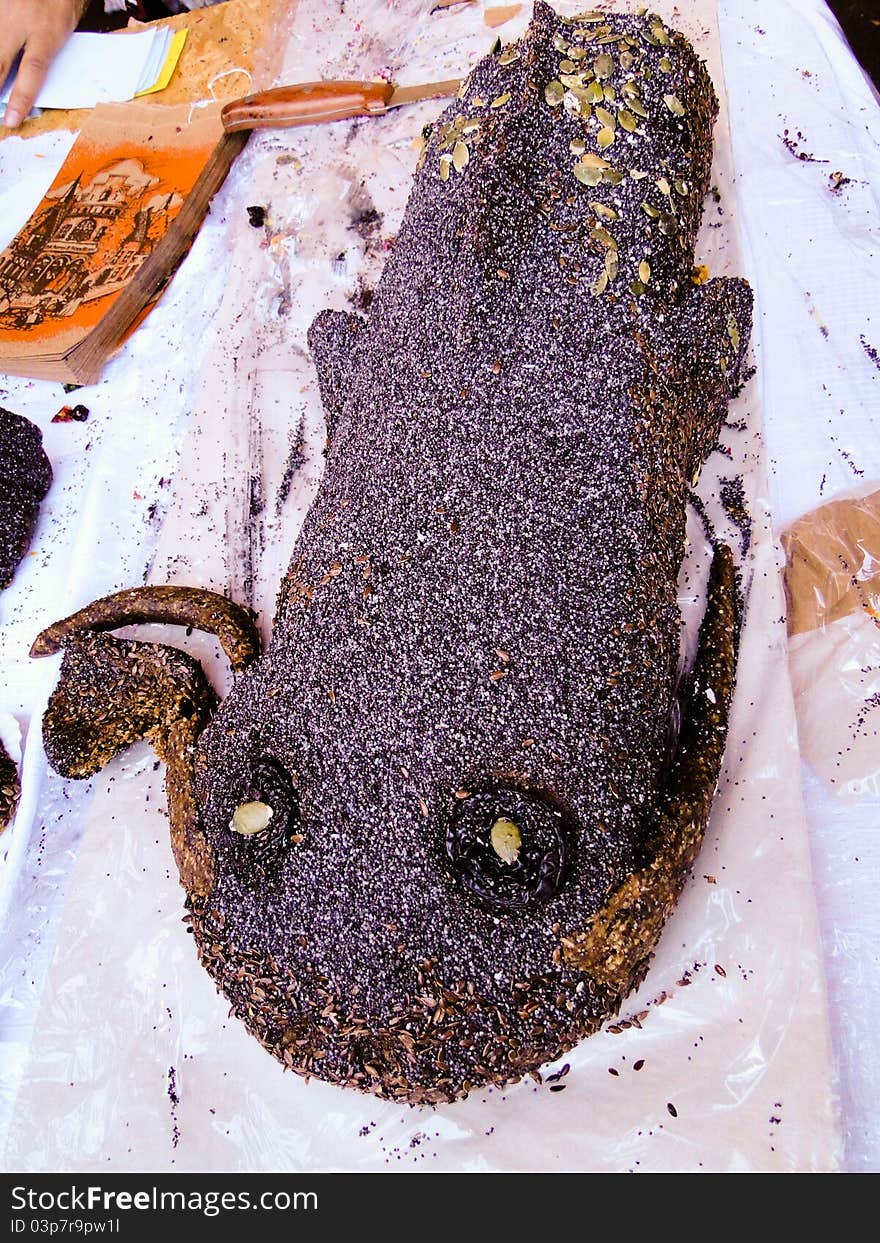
x: 429, y: 840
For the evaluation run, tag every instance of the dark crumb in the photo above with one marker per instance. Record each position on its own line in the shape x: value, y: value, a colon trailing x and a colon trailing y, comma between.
x: 672, y: 1110
x: 792, y: 142
x: 870, y: 351
x: 557, y: 1087
x: 733, y: 498
x: 836, y: 182
x: 175, y: 1101
x: 256, y: 217
x: 71, y: 414
x: 296, y: 459
x: 639, y: 1064
x: 558, y: 1074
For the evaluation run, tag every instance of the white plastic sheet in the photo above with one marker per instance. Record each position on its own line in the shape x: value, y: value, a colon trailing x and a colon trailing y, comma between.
x: 133, y: 1063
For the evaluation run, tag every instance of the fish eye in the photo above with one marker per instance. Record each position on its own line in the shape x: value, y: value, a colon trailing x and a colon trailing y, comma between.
x: 510, y: 845
x: 265, y: 813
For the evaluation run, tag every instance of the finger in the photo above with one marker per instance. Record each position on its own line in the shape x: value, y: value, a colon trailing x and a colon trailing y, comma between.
x: 10, y: 46
x: 39, y: 53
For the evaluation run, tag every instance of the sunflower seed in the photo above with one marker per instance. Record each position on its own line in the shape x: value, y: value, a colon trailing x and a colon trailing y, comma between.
x: 567, y: 66
x: 460, y: 156
x: 663, y: 185
x: 501, y: 100
x: 602, y: 210
x: 611, y: 264
x: 644, y: 271
x: 599, y: 285
x: 606, y: 118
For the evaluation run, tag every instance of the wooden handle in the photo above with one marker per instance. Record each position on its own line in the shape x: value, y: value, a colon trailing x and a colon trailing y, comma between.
x: 307, y: 103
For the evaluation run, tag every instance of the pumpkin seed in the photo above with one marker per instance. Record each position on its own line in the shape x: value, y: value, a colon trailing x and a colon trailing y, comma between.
x: 599, y: 285
x: 605, y: 138
x: 554, y: 93
x: 651, y: 211
x: 577, y: 146
x: 250, y: 818
x: 606, y: 118
x: 637, y: 174
x: 587, y: 175
x: 674, y: 104
x: 663, y: 185
x: 601, y: 209
x: 603, y: 66
x: 506, y: 840
x: 681, y: 187
x: 665, y: 64
x: 595, y: 94
x: 733, y: 331
x: 644, y: 271
x: 602, y: 235
x: 611, y: 264
x: 509, y: 55
x: 460, y: 156
x: 638, y: 107
x: 659, y: 33
x: 627, y: 121
x: 613, y: 176
x: 636, y: 288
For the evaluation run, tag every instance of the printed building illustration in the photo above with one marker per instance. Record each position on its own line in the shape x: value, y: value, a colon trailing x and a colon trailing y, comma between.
x: 86, y: 240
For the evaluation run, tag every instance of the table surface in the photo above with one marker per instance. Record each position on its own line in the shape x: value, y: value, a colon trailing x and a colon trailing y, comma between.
x: 800, y: 110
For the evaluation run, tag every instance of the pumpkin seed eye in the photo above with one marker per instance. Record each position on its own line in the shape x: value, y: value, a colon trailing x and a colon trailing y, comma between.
x: 250, y: 818
x: 509, y: 845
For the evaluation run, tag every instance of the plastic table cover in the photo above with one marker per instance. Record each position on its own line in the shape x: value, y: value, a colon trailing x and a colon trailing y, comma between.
x: 118, y: 1052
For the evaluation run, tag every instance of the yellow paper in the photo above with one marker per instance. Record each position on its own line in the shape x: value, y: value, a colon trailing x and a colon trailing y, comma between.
x: 170, y: 64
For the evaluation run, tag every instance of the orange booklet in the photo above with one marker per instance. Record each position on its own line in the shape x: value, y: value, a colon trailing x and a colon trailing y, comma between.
x: 107, y: 236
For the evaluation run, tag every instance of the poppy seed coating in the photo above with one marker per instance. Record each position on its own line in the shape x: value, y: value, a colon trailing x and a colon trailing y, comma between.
x: 479, y: 626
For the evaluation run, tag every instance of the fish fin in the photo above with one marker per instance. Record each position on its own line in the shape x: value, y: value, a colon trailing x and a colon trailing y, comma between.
x: 332, y: 339
x: 720, y: 316
x: 114, y: 692
x: 10, y: 788
x: 615, y: 949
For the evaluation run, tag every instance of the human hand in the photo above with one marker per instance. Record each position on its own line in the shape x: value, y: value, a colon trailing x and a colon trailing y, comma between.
x: 40, y: 28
